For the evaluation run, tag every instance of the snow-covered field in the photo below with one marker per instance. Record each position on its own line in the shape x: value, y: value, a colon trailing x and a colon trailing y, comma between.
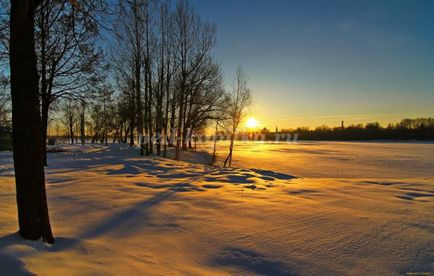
x: 335, y: 159
x: 356, y: 208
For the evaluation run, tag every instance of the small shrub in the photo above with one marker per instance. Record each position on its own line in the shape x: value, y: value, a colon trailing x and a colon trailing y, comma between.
x: 51, y: 141
x: 5, y: 138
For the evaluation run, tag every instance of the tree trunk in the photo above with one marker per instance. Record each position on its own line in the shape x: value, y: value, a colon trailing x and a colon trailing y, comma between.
x: 132, y: 119
x: 83, y: 123
x: 190, y: 138
x: 190, y: 144
x: 125, y: 138
x: 139, y: 100
x: 44, y: 122
x: 71, y: 131
x: 180, y: 121
x: 166, y: 119
x: 214, y: 153
x: 185, y: 138
x: 184, y: 129
x: 229, y: 158
x: 150, y: 127
x: 145, y: 147
x: 172, y: 122
x: 158, y: 143
x: 33, y: 218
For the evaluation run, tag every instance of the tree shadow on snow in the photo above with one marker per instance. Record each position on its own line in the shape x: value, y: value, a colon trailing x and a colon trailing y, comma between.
x: 123, y: 222
x: 126, y: 221
x: 10, y: 264
x: 272, y: 174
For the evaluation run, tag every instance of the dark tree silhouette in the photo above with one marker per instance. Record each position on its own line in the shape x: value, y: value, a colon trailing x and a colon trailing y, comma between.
x: 406, y: 129
x: 33, y: 216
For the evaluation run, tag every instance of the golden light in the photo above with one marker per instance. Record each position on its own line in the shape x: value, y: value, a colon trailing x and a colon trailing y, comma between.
x: 251, y: 123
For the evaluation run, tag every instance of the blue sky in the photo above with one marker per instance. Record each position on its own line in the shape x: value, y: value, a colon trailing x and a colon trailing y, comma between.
x: 314, y: 62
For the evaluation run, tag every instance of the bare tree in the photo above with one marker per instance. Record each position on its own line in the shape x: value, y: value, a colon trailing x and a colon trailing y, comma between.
x: 161, y: 87
x: 239, y: 99
x: 204, y: 98
x: 194, y: 41
x: 131, y: 56
x: 149, y: 60
x: 168, y: 68
x: 33, y: 215
x: 4, y: 102
x: 68, y: 58
x: 70, y: 112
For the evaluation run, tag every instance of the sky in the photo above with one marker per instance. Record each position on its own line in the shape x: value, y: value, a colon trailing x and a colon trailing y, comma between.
x: 316, y: 62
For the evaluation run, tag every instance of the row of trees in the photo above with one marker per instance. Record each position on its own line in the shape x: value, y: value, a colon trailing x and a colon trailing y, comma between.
x: 69, y: 61
x: 167, y: 80
x: 406, y: 129
x: 157, y: 79
x: 164, y: 85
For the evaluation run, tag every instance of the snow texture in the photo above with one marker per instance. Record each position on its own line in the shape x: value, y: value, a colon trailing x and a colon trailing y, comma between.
x: 114, y: 212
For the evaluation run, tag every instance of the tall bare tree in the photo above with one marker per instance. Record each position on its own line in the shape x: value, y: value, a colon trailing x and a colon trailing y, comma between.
x: 130, y: 55
x: 239, y: 99
x: 149, y: 60
x: 194, y: 41
x: 68, y: 58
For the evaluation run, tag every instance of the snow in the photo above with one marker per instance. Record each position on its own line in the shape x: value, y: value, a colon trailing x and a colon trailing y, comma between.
x: 114, y: 212
x: 335, y: 159
x: 76, y: 148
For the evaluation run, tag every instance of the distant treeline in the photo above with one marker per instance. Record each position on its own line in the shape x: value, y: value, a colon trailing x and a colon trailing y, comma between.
x: 407, y: 129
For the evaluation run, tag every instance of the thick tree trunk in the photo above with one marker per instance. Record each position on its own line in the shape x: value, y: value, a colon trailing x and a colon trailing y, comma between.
x: 33, y: 216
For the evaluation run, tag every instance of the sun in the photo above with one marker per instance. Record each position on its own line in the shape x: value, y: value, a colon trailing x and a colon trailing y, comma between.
x: 251, y: 123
